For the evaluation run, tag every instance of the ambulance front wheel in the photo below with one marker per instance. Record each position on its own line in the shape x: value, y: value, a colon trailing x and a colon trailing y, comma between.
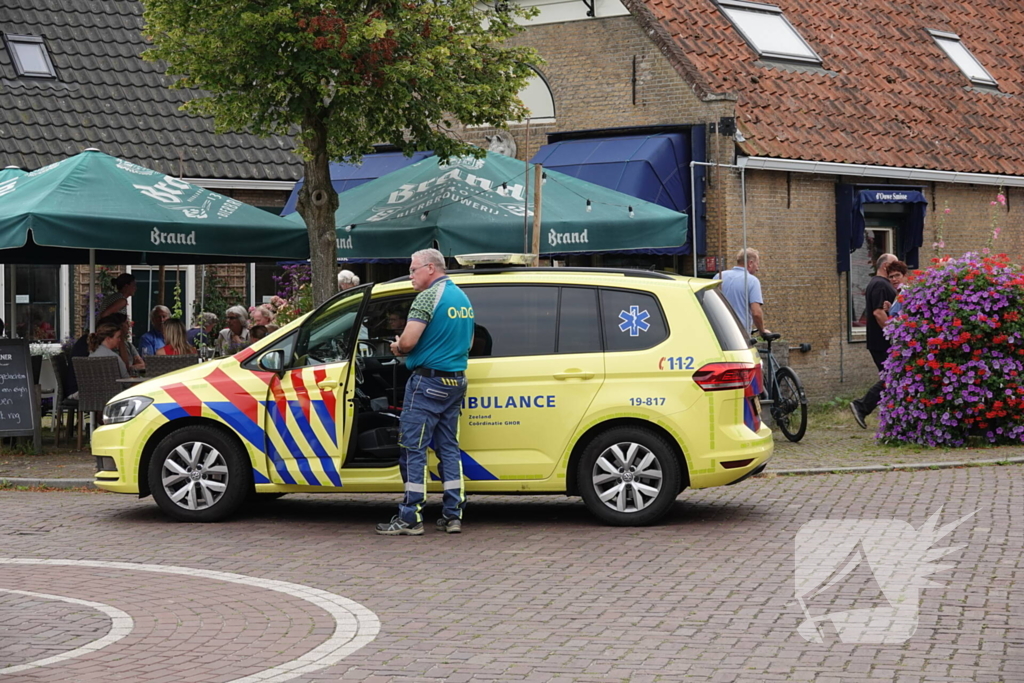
x: 198, y: 474
x: 629, y: 476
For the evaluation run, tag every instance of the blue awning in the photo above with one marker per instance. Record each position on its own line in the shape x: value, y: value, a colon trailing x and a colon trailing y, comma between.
x: 654, y: 168
x: 346, y: 176
x: 850, y: 201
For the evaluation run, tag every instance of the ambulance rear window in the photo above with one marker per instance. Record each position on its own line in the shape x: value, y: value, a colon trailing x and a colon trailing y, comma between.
x: 723, y: 321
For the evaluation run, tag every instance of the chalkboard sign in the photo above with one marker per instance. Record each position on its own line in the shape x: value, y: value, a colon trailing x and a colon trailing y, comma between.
x: 19, y: 405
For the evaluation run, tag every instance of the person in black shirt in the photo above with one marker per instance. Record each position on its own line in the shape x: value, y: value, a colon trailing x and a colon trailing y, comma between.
x: 878, y: 292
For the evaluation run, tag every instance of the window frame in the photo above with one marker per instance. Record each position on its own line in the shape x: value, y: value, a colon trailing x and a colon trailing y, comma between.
x: 757, y: 8
x: 12, y: 39
x: 605, y: 341
x: 855, y: 334
x: 468, y: 289
x: 600, y: 321
x: 945, y: 36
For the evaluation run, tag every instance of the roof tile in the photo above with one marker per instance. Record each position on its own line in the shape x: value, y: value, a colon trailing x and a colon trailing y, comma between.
x: 890, y: 96
x: 108, y: 97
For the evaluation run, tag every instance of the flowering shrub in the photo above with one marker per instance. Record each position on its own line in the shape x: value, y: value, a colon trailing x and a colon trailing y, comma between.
x: 296, y: 289
x: 956, y: 365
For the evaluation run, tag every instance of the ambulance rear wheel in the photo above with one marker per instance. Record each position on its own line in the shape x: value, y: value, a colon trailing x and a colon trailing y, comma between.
x: 629, y: 476
x: 198, y: 474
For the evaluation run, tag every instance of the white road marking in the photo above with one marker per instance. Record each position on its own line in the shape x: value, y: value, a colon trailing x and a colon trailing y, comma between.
x: 355, y: 625
x: 121, y: 625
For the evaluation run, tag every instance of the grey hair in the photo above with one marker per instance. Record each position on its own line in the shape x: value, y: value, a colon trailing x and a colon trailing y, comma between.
x: 432, y: 256
x: 159, y: 308
x: 747, y: 255
x: 347, y: 277
x: 883, y: 260
x: 240, y: 311
x: 206, y: 318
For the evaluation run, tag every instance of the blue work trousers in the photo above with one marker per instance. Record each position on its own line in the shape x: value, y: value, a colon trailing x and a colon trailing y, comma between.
x: 430, y: 417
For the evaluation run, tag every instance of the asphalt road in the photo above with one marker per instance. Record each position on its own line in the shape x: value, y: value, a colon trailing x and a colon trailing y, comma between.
x: 534, y: 589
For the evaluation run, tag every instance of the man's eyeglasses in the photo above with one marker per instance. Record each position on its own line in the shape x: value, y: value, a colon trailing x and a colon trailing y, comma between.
x: 413, y: 270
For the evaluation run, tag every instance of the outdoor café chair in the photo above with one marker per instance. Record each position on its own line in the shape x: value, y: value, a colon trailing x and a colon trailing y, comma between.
x: 61, y: 403
x: 160, y: 365
x: 97, y: 384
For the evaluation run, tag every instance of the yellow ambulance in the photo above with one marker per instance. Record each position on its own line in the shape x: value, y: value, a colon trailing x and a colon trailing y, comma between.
x: 623, y: 387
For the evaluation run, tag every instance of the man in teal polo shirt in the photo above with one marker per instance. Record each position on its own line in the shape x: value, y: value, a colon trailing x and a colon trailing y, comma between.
x: 436, y: 343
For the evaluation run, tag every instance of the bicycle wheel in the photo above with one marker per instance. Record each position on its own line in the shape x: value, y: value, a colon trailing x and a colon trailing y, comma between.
x: 790, y: 408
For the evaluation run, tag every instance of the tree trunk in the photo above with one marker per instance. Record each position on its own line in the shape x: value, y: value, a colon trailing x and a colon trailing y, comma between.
x: 317, y: 204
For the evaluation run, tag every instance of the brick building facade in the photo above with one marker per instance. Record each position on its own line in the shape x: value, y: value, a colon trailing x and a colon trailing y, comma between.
x: 681, y: 63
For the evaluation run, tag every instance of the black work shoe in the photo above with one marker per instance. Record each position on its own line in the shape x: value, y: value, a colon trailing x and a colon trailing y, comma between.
x: 399, y: 527
x: 858, y: 415
x: 450, y: 526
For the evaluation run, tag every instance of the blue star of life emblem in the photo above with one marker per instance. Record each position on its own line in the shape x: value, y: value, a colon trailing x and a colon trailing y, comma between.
x: 634, y: 321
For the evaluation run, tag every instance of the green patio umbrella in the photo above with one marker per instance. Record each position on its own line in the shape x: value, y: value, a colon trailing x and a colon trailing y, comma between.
x: 10, y: 172
x: 477, y: 205
x: 125, y: 213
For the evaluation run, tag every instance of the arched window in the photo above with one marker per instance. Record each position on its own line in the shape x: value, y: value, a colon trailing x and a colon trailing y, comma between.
x: 538, y: 99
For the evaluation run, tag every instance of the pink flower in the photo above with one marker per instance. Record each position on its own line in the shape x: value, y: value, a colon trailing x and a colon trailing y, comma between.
x: 995, y: 233
x: 948, y: 210
x: 939, y: 245
x: 993, y: 202
x: 1001, y: 198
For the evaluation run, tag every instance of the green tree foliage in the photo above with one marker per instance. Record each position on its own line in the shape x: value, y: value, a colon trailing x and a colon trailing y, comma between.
x: 345, y: 75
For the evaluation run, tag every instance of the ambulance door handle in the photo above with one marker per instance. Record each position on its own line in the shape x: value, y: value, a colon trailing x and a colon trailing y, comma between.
x: 327, y: 385
x: 574, y: 374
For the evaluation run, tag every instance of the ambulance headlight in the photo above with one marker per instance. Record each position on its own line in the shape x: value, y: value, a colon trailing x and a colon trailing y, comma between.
x: 125, y: 409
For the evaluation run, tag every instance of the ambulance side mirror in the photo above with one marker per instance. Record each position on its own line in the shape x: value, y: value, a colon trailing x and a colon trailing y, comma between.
x: 272, y: 361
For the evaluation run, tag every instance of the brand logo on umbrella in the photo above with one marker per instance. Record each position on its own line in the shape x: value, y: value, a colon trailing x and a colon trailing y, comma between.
x: 556, y: 238
x: 157, y: 236
x: 344, y: 243
x: 168, y: 190
x: 133, y: 168
x: 471, y: 163
x: 8, y: 187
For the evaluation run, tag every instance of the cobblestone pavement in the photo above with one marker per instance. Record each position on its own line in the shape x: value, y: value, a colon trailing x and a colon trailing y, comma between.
x: 533, y: 590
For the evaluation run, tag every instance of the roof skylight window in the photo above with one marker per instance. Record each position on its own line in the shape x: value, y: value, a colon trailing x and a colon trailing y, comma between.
x: 29, y: 55
x: 768, y: 31
x: 962, y: 57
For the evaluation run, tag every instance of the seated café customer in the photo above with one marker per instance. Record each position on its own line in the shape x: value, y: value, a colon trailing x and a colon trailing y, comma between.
x: 347, y: 280
x: 202, y: 335
x: 235, y: 336
x: 127, y: 351
x: 175, y: 340
x: 104, y: 342
x: 258, y: 332
x: 81, y: 350
x: 263, y: 316
x: 154, y: 339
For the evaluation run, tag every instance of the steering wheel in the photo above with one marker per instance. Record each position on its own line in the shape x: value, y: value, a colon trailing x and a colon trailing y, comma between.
x: 365, y: 347
x: 330, y: 351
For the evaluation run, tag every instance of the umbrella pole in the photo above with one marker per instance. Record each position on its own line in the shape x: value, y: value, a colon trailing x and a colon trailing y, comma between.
x: 12, y: 323
x: 538, y: 179
x: 92, y: 290
x: 526, y: 190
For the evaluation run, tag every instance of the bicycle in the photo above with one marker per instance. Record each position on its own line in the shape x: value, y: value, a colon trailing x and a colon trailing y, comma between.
x: 786, y: 400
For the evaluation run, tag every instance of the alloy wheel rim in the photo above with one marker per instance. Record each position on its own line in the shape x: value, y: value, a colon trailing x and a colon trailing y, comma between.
x: 627, y: 477
x: 194, y: 475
